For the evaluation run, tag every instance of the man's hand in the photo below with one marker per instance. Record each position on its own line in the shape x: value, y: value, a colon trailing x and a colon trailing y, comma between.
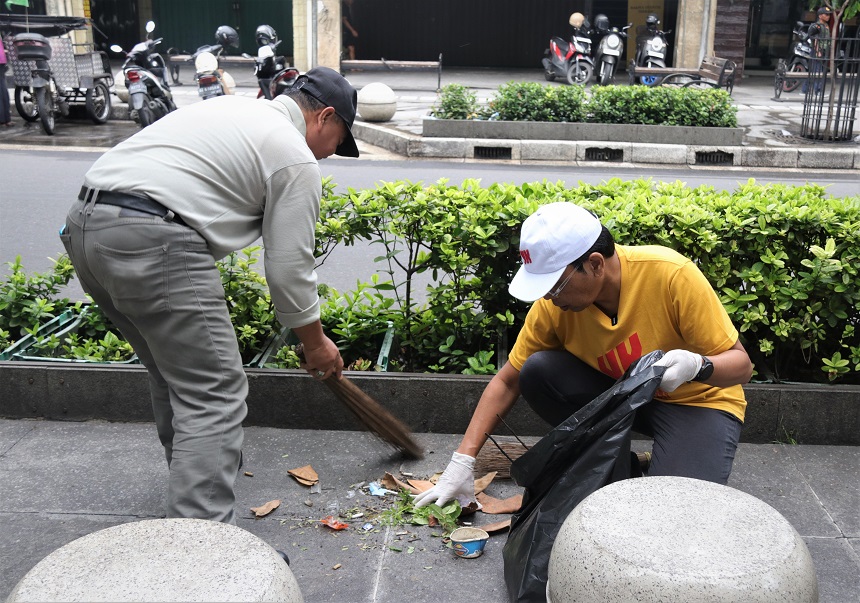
x: 322, y: 361
x: 457, y: 481
x: 681, y: 366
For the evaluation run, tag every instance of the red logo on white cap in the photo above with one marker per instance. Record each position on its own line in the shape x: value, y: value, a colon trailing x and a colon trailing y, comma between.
x: 524, y: 253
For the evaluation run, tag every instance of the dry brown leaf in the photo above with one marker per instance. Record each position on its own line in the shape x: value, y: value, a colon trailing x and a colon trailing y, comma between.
x: 492, y: 528
x: 267, y: 508
x: 392, y: 483
x: 482, y: 482
x: 469, y: 509
x: 305, y: 475
x: 421, y: 485
x: 435, y: 477
x: 496, y: 506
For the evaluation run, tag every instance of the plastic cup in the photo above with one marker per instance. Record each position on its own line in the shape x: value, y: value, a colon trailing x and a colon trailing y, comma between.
x: 468, y: 543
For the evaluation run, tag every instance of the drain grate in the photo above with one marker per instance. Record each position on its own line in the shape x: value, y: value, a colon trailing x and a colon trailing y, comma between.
x: 715, y: 157
x: 598, y: 154
x: 492, y: 152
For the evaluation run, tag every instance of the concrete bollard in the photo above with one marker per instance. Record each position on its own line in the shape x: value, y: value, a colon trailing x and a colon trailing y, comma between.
x: 678, y: 539
x: 162, y: 560
x: 376, y: 102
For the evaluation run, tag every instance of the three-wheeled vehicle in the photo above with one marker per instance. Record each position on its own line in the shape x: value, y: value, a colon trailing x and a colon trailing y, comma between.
x: 49, y: 74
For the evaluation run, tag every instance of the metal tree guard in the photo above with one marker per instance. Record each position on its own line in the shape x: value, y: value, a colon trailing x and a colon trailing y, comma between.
x: 830, y: 104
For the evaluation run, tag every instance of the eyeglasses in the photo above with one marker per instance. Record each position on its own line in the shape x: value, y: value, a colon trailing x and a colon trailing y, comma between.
x: 557, y: 292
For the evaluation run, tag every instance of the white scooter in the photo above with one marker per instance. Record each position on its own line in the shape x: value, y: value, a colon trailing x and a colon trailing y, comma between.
x: 144, y: 75
x: 213, y: 81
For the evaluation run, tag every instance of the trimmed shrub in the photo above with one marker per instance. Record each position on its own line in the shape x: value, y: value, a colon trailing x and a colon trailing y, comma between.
x: 530, y: 101
x: 661, y: 106
x: 455, y: 102
x: 782, y: 258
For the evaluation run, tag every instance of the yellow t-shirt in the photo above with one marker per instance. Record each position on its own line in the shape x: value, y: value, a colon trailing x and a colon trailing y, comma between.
x: 666, y: 303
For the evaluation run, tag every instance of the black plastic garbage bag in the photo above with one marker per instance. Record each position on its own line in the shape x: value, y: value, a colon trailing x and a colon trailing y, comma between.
x: 584, y: 453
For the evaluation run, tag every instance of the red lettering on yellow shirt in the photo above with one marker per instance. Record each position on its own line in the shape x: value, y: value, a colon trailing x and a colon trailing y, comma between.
x: 615, y: 361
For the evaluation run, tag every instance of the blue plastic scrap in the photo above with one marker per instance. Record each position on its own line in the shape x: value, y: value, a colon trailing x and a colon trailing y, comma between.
x: 377, y: 490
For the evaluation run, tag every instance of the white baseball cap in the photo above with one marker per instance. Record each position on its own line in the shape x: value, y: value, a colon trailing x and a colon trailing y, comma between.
x: 553, y: 237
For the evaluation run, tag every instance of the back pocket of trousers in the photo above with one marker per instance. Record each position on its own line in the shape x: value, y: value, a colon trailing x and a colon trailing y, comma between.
x: 136, y: 280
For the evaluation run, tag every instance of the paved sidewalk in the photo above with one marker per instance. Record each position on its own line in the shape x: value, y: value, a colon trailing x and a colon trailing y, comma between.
x: 60, y: 481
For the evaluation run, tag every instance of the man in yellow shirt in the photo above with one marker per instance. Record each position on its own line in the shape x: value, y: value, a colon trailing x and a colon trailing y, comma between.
x: 599, y: 307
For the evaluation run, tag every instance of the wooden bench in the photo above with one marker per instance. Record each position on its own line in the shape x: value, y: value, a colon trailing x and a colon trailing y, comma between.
x: 714, y: 72
x: 174, y: 60
x: 388, y: 65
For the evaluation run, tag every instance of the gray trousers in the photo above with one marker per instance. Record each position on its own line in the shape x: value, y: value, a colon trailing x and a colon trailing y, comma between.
x: 159, y: 284
x: 689, y: 441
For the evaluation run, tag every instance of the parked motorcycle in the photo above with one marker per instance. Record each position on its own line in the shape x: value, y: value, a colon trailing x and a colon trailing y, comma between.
x: 651, y: 48
x: 213, y: 81
x: 799, y: 61
x: 273, y: 74
x: 47, y: 94
x: 571, y: 61
x: 609, y: 49
x: 145, y: 74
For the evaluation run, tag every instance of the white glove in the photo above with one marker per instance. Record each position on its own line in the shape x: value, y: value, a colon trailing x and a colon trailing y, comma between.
x: 457, y: 481
x: 681, y: 366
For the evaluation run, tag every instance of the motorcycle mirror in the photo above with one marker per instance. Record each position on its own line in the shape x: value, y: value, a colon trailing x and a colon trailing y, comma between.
x: 150, y: 26
x: 116, y: 48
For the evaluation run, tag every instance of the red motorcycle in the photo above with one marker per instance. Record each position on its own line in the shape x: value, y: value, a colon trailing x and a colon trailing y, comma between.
x: 571, y: 61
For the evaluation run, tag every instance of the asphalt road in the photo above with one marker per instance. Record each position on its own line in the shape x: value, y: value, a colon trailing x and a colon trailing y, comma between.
x: 39, y: 184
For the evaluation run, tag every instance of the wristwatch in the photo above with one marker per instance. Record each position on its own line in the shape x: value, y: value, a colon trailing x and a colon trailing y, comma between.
x: 706, y: 371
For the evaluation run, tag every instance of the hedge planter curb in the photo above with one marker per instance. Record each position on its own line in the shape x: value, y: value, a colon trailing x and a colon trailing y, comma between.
x: 604, y: 152
x: 429, y: 403
x: 533, y: 130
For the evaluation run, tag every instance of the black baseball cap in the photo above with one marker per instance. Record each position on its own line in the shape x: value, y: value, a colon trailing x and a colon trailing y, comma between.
x: 333, y: 90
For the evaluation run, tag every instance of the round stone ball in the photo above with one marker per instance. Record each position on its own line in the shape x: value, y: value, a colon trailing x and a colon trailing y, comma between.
x: 678, y: 539
x: 162, y: 560
x: 376, y: 102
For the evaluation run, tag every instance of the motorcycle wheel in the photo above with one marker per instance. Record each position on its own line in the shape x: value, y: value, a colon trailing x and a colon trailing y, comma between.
x: 649, y: 80
x: 45, y: 102
x: 550, y: 77
x: 25, y: 103
x: 98, y: 103
x: 579, y: 74
x: 144, y: 114
x: 606, y: 75
x: 789, y: 85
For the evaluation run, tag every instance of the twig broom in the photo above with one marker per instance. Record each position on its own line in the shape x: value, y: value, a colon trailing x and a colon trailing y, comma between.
x: 373, y: 415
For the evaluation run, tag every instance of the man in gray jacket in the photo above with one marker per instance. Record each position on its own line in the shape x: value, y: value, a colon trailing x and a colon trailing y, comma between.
x: 154, y: 215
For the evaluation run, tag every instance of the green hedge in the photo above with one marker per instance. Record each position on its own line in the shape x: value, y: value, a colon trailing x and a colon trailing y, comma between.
x: 783, y: 259
x: 530, y: 101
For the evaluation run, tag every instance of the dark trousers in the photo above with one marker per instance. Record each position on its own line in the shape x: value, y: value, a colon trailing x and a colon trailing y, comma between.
x: 5, y: 111
x: 689, y: 441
